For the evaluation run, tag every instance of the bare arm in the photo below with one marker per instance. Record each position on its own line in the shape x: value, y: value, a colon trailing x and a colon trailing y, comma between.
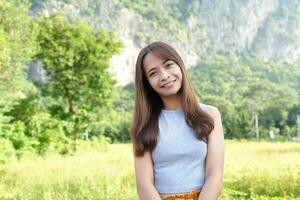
x: 144, y: 177
x: 214, y: 160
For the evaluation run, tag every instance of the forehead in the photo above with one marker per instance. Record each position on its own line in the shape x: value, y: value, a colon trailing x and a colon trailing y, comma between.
x: 152, y: 60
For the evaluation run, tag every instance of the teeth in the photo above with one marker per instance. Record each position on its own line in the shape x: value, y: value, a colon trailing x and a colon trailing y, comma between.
x: 169, y: 83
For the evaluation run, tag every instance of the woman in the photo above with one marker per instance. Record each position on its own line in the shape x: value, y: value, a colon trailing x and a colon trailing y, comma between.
x: 178, y: 143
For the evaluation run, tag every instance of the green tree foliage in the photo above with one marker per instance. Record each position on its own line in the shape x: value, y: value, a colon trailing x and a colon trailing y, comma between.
x: 76, y: 59
x: 17, y: 45
x: 34, y: 129
x: 242, y: 86
x: 16, y: 36
x: 77, y: 85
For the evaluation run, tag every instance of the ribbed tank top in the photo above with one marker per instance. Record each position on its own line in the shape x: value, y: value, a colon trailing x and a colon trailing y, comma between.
x: 179, y: 157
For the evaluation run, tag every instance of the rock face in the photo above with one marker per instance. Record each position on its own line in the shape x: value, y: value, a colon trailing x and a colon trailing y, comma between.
x: 269, y: 28
x: 235, y: 24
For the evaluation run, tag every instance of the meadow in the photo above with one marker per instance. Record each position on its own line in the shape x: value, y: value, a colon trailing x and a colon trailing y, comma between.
x: 253, y: 170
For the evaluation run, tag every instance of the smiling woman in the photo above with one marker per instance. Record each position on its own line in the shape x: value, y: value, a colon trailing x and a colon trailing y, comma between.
x: 178, y: 142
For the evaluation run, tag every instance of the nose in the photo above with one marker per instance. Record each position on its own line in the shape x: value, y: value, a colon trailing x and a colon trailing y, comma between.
x: 164, y: 75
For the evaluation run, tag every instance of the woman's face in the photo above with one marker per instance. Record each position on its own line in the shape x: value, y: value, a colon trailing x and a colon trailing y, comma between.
x: 164, y: 76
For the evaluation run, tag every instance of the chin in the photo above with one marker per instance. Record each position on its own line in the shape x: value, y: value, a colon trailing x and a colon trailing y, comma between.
x: 169, y: 94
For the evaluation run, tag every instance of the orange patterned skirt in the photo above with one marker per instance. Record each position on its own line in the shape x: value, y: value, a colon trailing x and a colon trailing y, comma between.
x: 193, y: 195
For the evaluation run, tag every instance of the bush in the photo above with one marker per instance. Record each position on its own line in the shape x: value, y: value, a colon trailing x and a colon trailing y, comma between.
x: 48, y: 133
x: 7, y: 151
x: 117, y: 126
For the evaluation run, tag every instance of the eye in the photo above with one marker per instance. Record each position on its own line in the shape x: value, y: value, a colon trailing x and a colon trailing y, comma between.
x: 152, y: 73
x: 169, y: 65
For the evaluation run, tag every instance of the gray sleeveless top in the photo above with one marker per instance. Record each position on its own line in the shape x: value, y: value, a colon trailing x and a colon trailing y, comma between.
x: 179, y: 157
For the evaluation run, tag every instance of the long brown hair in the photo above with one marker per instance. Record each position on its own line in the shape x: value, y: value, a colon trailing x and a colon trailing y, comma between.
x: 148, y: 104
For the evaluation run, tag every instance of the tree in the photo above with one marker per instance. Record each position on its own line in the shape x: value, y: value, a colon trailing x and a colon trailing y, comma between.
x: 17, y: 45
x: 76, y: 59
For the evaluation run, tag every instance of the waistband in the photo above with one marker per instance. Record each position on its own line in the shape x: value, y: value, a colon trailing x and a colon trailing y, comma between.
x: 193, y: 195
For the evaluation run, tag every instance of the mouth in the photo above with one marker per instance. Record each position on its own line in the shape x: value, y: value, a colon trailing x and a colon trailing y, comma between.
x: 168, y: 84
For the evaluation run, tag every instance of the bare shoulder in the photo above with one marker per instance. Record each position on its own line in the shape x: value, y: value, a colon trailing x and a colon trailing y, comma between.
x: 212, y: 111
x: 217, y: 134
x: 215, y: 114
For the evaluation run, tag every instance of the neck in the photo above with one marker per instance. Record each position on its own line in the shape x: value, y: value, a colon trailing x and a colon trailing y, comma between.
x: 172, y: 102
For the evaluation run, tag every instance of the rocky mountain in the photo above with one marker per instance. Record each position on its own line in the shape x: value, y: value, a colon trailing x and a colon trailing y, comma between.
x: 267, y: 28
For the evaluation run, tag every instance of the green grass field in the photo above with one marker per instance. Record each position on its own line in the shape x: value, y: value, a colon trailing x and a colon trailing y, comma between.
x: 253, y: 170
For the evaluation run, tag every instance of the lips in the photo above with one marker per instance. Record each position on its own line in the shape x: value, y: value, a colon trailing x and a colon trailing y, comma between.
x: 166, y: 84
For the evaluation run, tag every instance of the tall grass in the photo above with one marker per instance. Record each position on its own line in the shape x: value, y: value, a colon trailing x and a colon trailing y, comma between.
x: 253, y: 170
x: 261, y: 170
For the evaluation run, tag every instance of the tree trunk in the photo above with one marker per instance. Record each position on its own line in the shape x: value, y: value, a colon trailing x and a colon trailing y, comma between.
x: 70, y: 104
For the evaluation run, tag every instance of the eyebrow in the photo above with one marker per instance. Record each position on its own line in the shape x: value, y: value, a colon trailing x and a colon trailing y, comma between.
x: 155, y: 67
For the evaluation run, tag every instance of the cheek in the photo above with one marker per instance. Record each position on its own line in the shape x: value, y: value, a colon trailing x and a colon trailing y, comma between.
x: 180, y: 77
x: 152, y: 82
x: 179, y: 73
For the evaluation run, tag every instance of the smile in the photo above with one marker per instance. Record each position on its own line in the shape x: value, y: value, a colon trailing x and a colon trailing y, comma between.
x: 170, y: 84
